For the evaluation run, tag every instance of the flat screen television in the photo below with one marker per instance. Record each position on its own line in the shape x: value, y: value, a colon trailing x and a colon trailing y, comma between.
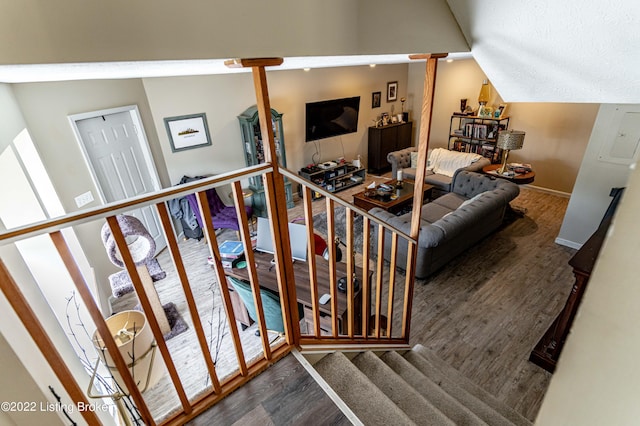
x: 335, y: 117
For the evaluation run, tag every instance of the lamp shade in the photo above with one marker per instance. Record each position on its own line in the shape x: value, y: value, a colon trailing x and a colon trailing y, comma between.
x: 510, y: 139
x: 485, y: 93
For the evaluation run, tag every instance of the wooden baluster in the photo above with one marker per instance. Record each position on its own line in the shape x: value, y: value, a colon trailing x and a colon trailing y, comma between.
x: 145, y: 302
x: 253, y: 275
x: 210, y: 235
x: 392, y: 281
x: 311, y: 259
x: 174, y: 251
x: 366, y: 285
x: 379, y: 273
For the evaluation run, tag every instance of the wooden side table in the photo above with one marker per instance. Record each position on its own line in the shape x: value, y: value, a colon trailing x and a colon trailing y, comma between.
x: 519, y: 178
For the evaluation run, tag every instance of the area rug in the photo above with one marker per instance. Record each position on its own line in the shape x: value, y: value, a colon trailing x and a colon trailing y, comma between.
x: 320, y: 225
x: 176, y: 322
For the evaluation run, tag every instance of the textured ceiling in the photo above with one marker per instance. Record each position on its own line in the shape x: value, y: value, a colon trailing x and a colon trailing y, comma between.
x: 556, y: 51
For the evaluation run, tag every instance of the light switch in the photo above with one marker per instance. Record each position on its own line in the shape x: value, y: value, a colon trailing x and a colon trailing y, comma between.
x: 84, y: 199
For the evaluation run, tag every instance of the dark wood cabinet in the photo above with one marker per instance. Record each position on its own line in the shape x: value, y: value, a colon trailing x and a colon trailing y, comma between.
x: 254, y: 154
x: 547, y: 351
x: 386, y: 139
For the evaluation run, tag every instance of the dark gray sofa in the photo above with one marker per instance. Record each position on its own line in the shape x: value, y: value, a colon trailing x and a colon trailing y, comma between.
x: 473, y: 209
x: 437, y: 176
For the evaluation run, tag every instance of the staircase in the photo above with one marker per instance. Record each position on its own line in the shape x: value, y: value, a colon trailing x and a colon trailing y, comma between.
x: 414, y: 388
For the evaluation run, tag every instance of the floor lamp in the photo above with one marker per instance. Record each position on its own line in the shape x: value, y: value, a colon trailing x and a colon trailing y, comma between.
x: 507, y: 141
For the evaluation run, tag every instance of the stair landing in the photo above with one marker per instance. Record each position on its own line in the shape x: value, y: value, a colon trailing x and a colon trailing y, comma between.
x: 283, y: 394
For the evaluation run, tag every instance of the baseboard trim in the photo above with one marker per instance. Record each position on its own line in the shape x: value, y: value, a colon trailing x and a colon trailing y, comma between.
x: 568, y: 243
x: 350, y: 415
x: 548, y: 191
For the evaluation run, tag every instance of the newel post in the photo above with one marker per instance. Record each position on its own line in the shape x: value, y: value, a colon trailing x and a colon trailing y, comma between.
x: 275, y: 196
x: 418, y: 195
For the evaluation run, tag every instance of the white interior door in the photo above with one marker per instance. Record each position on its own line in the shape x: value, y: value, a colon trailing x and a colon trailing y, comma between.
x: 119, y: 157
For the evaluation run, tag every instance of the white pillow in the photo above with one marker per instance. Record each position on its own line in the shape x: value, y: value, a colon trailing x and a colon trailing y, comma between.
x: 471, y: 200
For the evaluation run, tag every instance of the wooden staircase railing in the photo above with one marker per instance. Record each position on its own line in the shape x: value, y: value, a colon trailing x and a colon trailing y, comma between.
x: 388, y: 297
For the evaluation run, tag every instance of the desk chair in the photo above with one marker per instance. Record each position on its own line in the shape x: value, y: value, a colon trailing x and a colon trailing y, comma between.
x: 270, y: 305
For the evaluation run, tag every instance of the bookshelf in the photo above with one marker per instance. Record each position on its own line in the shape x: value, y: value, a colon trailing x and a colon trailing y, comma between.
x: 476, y: 134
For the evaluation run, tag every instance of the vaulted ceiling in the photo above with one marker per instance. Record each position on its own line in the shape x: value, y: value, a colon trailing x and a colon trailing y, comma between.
x: 546, y: 51
x: 556, y: 51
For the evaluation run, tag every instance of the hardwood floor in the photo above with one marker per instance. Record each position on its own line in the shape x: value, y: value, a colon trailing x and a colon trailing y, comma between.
x: 284, y: 394
x: 485, y: 311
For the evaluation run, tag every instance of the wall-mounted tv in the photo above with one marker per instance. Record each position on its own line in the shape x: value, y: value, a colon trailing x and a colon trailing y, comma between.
x: 335, y: 117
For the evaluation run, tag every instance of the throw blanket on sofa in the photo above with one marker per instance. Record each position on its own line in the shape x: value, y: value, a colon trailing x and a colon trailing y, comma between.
x: 445, y: 162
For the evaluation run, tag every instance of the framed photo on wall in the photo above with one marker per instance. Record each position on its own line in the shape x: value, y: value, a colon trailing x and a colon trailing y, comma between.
x: 375, y: 99
x: 392, y: 91
x: 187, y: 131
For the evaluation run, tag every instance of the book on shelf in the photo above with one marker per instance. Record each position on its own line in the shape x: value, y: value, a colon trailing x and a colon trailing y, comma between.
x: 231, y: 249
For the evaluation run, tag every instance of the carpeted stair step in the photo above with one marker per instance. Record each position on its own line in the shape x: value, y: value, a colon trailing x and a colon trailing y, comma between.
x: 459, y: 386
x: 367, y: 402
x: 436, y: 395
x: 415, y: 406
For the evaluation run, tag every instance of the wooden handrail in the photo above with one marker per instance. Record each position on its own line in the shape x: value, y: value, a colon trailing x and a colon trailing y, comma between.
x: 120, y: 207
x: 273, y: 177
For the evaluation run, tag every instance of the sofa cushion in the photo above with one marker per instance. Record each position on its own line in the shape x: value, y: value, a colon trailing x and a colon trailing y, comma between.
x: 433, y: 211
x: 451, y: 200
x: 439, y: 181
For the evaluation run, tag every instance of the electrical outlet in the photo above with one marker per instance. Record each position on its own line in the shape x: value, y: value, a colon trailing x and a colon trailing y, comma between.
x: 84, y: 199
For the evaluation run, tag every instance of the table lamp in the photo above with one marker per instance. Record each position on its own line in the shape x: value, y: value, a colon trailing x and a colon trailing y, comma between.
x: 485, y: 93
x: 508, y: 140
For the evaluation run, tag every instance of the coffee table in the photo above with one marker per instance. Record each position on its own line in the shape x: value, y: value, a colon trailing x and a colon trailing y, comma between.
x: 395, y: 202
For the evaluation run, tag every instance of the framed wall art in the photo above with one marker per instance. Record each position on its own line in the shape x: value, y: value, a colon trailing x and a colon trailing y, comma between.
x: 392, y: 91
x: 375, y: 99
x: 187, y: 131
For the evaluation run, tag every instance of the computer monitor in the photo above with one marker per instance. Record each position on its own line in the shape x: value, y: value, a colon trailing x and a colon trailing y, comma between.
x: 297, y: 237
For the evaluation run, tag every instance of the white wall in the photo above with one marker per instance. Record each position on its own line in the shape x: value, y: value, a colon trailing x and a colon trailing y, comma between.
x: 45, y: 107
x: 596, y: 380
x: 21, y: 389
x: 590, y: 197
x: 31, y: 376
x: 224, y: 97
x: 557, y: 134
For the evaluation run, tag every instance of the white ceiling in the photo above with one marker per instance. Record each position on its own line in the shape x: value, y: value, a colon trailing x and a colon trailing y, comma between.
x: 556, y: 51
x: 145, y: 69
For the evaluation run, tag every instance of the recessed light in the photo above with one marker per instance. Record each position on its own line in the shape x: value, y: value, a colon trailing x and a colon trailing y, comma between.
x: 372, y: 65
x: 307, y: 69
x: 449, y: 60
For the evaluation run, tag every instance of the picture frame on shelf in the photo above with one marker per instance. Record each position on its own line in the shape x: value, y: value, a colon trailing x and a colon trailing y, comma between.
x: 485, y: 112
x: 501, y: 111
x: 375, y: 99
x: 392, y: 91
x: 187, y: 131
